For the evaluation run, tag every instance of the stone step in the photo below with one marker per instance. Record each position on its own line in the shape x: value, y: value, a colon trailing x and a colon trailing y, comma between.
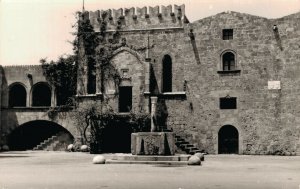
x: 44, y: 145
x: 186, y: 145
x: 178, y: 163
x: 130, y: 157
x: 181, y: 143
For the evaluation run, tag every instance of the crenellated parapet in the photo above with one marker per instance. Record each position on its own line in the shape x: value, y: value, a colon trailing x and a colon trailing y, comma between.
x: 138, y: 18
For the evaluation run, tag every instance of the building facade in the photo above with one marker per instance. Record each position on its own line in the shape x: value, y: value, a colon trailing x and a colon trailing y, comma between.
x: 228, y: 83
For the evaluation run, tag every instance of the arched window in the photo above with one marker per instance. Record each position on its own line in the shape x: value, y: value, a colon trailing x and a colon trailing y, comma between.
x: 41, y: 95
x: 167, y: 74
x: 17, y: 95
x: 228, y: 61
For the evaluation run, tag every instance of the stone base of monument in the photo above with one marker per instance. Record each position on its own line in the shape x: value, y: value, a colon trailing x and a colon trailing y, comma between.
x: 151, y: 148
x: 153, y: 143
x: 143, y: 159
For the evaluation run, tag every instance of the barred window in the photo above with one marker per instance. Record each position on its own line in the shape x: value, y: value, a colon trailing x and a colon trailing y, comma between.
x: 227, y: 34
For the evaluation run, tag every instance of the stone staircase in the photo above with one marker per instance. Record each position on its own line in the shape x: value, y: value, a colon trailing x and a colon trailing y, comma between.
x: 184, y: 146
x: 54, y: 143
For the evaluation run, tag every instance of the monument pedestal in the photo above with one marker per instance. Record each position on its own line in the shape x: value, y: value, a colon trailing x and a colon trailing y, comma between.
x: 153, y: 143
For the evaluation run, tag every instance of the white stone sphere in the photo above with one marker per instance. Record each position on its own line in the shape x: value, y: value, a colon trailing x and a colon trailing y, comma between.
x: 99, y: 159
x: 5, y: 148
x: 70, y: 147
x: 84, y: 148
x: 200, y: 156
x: 194, y: 160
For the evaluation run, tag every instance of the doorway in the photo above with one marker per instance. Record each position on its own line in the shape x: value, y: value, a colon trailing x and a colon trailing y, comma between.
x: 228, y: 140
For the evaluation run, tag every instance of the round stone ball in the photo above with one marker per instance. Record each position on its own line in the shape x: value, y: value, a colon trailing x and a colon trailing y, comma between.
x: 194, y: 160
x: 84, y: 148
x: 99, y: 159
x: 5, y: 148
x: 70, y: 147
x: 200, y: 156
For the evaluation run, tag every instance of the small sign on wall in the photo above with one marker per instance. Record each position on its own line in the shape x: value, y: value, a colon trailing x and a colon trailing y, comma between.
x: 274, y: 85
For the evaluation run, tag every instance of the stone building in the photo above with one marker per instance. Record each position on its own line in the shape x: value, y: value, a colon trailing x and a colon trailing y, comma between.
x: 228, y: 83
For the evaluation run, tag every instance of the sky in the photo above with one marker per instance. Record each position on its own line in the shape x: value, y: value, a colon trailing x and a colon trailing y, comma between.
x: 35, y: 29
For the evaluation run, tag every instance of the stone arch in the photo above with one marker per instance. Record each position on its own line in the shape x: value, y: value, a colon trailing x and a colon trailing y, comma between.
x: 41, y: 94
x: 17, y: 95
x: 134, y: 53
x: 228, y: 60
x: 228, y: 140
x: 134, y: 73
x: 30, y: 134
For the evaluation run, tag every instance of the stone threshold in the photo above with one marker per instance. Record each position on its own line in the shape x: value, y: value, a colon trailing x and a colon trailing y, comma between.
x: 147, y: 159
x: 130, y: 157
x: 182, y: 163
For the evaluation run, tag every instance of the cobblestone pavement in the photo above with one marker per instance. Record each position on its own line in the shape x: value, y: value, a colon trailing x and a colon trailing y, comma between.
x: 54, y: 170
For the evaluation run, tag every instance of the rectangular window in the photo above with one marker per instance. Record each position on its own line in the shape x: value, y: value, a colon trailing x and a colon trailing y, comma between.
x: 227, y: 34
x: 228, y: 103
x: 125, y: 99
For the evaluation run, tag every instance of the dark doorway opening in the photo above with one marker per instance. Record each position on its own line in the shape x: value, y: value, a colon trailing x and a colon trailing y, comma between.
x: 117, y: 139
x: 41, y: 95
x: 125, y: 99
x: 228, y: 140
x: 30, y: 134
x: 17, y: 96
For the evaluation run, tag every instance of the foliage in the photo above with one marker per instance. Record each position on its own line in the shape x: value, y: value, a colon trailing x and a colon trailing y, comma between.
x: 98, y: 117
x: 62, y: 75
x: 95, y: 49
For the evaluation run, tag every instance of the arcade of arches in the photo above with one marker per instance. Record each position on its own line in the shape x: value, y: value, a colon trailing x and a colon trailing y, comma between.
x: 40, y: 95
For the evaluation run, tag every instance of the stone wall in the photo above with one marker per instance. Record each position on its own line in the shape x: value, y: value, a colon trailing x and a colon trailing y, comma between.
x: 263, y: 120
x: 266, y: 118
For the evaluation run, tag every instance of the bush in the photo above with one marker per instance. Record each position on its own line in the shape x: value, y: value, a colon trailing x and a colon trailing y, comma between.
x: 134, y: 122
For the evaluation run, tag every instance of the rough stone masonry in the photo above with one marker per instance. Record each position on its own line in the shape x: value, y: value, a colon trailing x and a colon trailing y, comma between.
x: 221, y: 74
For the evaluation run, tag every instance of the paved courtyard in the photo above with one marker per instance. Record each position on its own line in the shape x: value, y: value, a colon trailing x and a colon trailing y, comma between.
x: 53, y: 170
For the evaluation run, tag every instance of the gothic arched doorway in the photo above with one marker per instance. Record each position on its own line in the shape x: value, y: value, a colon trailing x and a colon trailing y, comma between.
x: 228, y: 140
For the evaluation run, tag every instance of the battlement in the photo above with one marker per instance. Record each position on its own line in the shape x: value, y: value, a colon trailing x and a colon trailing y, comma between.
x: 22, y: 69
x: 138, y: 18
x: 22, y: 66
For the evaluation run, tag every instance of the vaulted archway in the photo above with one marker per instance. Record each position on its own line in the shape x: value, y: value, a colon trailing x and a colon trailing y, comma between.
x: 32, y: 133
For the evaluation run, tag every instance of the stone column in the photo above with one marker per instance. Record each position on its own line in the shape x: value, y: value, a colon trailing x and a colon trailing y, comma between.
x: 53, y: 96
x: 153, y: 112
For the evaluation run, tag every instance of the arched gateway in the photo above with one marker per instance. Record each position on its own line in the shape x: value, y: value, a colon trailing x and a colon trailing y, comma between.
x: 33, y: 133
x: 228, y: 140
